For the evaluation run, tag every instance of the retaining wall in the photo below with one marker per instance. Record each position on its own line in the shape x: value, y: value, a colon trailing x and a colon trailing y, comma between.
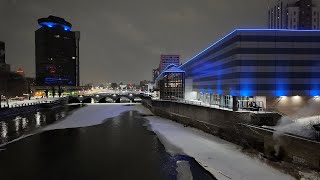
x: 241, y: 128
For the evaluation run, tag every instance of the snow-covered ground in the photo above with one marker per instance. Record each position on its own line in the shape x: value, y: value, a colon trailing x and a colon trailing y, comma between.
x: 223, y: 159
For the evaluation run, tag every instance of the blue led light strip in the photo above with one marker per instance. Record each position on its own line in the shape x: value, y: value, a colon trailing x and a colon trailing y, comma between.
x: 52, y: 24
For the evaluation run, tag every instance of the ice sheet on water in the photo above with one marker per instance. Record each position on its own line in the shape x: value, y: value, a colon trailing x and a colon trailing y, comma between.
x: 94, y: 114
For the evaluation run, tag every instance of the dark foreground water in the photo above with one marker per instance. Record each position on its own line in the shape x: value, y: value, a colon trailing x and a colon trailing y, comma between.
x: 120, y: 148
x: 12, y: 127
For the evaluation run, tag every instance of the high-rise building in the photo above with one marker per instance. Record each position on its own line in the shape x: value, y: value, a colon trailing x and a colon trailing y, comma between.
x: 294, y: 14
x: 3, y: 66
x: 155, y: 74
x: 2, y: 52
x: 166, y: 60
x: 57, y: 53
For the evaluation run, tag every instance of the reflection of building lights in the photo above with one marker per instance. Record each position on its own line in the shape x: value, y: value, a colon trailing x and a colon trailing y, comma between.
x: 17, y: 123
x: 38, y: 117
x: 24, y: 123
x: 4, y: 129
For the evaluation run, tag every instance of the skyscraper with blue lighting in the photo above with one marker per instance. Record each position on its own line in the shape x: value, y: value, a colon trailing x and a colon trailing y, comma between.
x: 57, y: 53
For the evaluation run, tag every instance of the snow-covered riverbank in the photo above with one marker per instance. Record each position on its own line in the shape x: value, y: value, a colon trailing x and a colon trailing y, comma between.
x: 223, y: 159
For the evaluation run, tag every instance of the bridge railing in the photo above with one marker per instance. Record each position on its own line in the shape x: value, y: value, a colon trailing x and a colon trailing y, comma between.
x: 17, y: 105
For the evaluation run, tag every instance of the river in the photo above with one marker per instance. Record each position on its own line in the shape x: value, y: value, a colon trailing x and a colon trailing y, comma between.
x: 122, y: 147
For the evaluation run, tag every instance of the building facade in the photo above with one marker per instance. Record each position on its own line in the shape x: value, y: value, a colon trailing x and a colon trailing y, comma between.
x: 155, y: 74
x: 166, y: 60
x: 4, y: 70
x: 257, y: 65
x: 294, y: 14
x: 171, y: 83
x: 3, y: 66
x: 57, y: 53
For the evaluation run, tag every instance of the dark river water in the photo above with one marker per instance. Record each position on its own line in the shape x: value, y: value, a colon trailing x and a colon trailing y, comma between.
x: 12, y: 127
x: 120, y: 148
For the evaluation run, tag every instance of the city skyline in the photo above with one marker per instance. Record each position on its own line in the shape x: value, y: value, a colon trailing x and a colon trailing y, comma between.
x: 192, y: 26
x: 171, y: 89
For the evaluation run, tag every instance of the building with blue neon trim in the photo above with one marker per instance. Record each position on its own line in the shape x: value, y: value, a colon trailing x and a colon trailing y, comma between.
x: 258, y: 64
x: 57, y: 53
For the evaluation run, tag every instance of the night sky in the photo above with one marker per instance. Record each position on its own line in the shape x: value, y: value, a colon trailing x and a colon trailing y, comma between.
x: 122, y: 40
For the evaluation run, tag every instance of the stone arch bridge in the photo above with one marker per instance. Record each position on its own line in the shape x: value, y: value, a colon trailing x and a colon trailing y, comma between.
x: 104, y: 98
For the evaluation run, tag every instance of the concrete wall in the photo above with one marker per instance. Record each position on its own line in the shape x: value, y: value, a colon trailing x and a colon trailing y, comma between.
x: 295, y: 106
x: 233, y: 127
x: 283, y: 147
x: 218, y: 122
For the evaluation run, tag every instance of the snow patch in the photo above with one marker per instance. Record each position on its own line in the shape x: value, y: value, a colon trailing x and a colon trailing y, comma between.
x: 184, y: 171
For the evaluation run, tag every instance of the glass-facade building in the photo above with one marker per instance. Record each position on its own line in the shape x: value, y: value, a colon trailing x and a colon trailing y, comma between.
x: 255, y: 64
x: 171, y: 83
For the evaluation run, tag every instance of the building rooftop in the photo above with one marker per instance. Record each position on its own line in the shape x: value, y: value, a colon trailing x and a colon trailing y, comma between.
x: 53, y: 21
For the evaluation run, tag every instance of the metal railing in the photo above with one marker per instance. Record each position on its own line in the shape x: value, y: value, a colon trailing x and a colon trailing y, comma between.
x: 17, y: 105
x: 247, y: 105
x: 200, y: 103
x: 243, y: 105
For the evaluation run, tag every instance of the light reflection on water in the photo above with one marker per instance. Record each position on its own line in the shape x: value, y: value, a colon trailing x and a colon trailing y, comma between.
x: 15, y: 126
x: 38, y: 119
x: 4, y: 129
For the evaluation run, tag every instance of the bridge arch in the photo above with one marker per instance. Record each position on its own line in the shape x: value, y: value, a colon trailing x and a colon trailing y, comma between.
x: 106, y: 99
x: 87, y: 100
x: 74, y: 101
x: 123, y: 99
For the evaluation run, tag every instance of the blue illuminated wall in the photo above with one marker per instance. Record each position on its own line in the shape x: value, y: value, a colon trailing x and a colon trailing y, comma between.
x: 251, y: 62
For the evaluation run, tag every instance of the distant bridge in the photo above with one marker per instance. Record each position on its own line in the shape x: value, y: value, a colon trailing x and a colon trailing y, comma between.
x: 105, y: 98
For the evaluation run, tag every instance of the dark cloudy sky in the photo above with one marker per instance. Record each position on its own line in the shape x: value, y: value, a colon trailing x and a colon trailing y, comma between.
x: 121, y: 40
